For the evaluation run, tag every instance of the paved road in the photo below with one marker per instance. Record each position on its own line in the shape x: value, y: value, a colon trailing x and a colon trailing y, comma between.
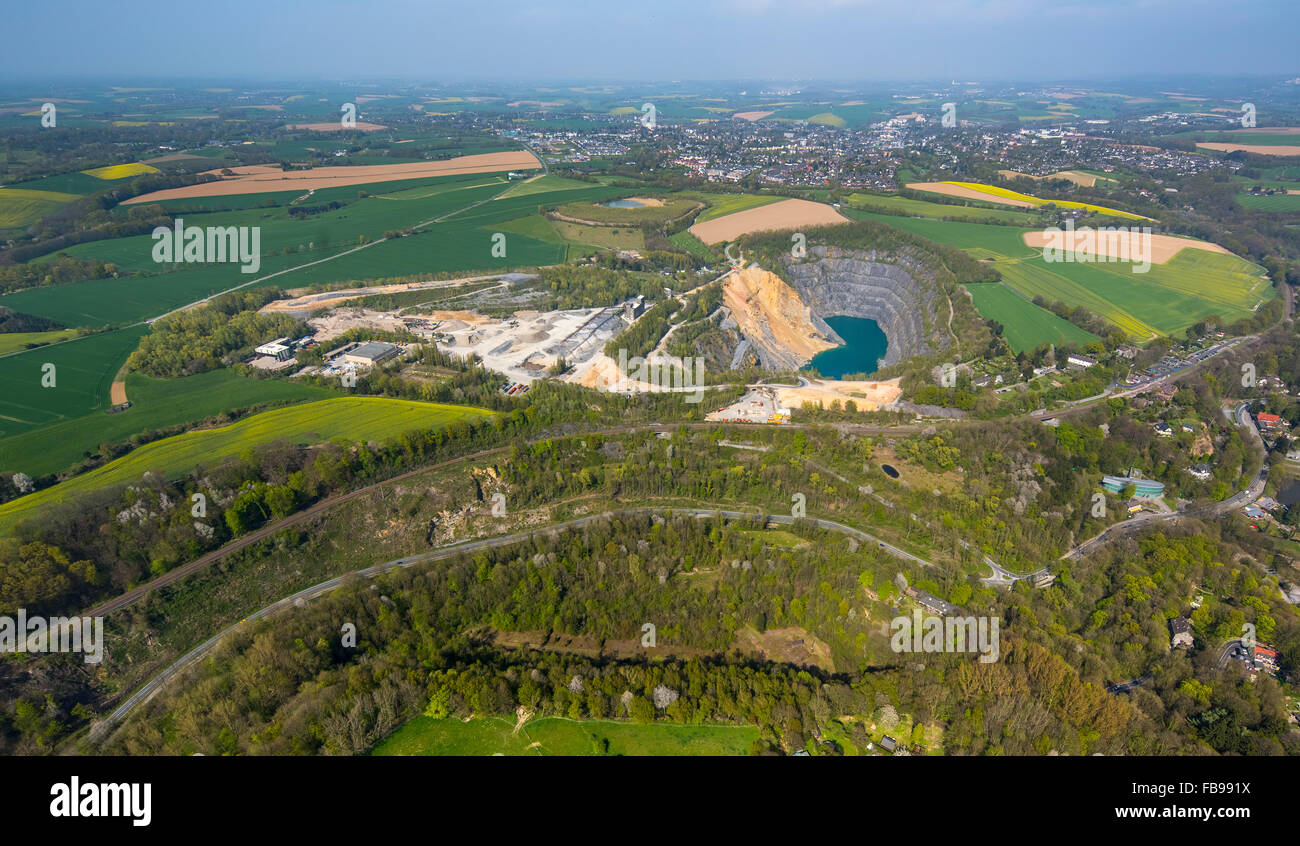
x: 151, y: 687
x: 1225, y: 652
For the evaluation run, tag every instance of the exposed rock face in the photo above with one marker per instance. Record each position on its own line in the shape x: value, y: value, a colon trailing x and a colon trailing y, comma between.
x: 896, y: 291
x: 774, y: 320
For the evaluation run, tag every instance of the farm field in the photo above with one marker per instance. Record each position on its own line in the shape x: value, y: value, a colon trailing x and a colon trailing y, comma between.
x: 262, y: 179
x: 83, y: 371
x: 1160, y: 248
x: 1259, y: 149
x: 692, y: 245
x: 1078, y: 177
x: 1270, y: 202
x: 721, y: 205
x: 1166, y: 300
x: 460, y: 245
x: 76, y: 183
x: 23, y: 207
x: 545, y: 183
x: 120, y: 171
x: 831, y: 115
x: 556, y: 736
x: 322, y: 233
x: 787, y: 214
x: 980, y: 239
x: 1024, y: 324
x: 155, y: 404
x: 352, y: 418
x: 921, y: 208
x: 15, y: 341
x: 992, y: 193
x: 114, y: 302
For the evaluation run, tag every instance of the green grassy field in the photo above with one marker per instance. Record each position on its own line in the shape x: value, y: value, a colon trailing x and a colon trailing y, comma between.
x: 835, y: 115
x: 155, y: 404
x: 544, y: 184
x: 556, y: 736
x: 1270, y: 203
x: 114, y: 302
x: 14, y: 341
x: 533, y: 226
x: 688, y: 242
x: 1025, y: 325
x: 463, y: 241
x: 317, y: 235
x: 1262, y: 139
x: 22, y: 207
x: 609, y: 237
x: 721, y: 205
x: 66, y: 183
x: 921, y: 208
x: 352, y: 418
x: 460, y: 243
x: 83, y: 372
x: 1165, y: 300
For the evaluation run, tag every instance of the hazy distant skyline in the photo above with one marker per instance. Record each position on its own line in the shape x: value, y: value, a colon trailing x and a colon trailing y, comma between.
x: 667, y: 39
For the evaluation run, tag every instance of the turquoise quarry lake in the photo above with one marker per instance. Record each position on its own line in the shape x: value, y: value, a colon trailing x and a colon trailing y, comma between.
x: 864, y: 346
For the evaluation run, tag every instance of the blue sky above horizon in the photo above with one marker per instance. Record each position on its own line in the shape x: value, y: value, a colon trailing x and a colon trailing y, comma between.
x: 660, y: 40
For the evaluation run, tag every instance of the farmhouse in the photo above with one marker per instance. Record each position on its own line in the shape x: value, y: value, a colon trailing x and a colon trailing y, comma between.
x: 371, y: 353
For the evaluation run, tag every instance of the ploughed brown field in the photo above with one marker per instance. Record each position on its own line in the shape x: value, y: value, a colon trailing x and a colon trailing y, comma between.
x: 787, y: 214
x: 1163, y: 247
x: 1258, y: 149
x: 262, y: 179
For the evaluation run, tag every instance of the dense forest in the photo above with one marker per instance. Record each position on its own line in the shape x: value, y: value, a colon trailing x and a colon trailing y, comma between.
x: 425, y: 645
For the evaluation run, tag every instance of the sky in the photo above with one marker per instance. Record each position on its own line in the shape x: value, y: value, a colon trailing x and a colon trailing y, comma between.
x: 634, y: 40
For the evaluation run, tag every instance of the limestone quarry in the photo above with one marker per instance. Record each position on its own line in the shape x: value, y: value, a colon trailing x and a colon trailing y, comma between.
x: 896, y: 291
x: 785, y: 323
x: 773, y: 318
